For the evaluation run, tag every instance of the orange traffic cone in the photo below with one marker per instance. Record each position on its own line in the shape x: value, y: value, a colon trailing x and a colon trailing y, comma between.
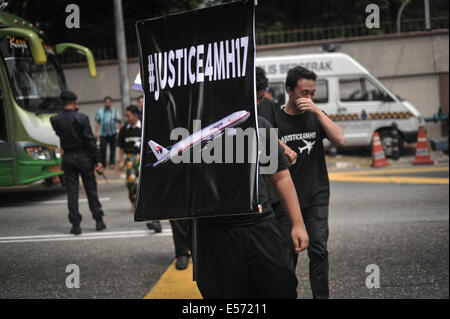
x: 422, y: 148
x: 378, y: 157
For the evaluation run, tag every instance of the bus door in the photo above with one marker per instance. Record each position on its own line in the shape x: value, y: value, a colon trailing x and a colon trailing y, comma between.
x: 6, y: 158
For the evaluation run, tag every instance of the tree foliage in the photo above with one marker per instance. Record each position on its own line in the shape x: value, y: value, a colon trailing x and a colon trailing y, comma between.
x: 97, y: 18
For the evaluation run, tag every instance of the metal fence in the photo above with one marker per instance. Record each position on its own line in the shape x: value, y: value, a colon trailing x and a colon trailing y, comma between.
x: 346, y: 31
x: 285, y: 36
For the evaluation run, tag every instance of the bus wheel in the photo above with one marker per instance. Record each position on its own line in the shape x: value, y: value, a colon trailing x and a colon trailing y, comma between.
x: 386, y: 142
x: 48, y: 182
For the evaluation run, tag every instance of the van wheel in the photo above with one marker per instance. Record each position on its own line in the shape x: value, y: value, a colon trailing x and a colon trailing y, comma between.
x: 401, y: 144
x: 332, y: 151
x: 386, y: 142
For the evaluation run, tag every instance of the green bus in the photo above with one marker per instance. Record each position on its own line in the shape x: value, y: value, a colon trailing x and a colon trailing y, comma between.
x: 31, y: 81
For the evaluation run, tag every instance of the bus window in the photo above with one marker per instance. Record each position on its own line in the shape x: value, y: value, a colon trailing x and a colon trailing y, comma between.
x: 36, y: 88
x: 359, y: 89
x: 276, y: 93
x: 3, y: 133
x: 321, y: 95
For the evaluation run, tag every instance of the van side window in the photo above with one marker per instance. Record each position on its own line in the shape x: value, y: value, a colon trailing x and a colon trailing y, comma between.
x: 321, y: 95
x: 276, y: 93
x: 359, y: 89
x: 3, y: 133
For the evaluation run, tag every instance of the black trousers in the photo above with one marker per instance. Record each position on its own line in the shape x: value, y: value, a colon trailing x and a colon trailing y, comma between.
x: 181, y: 237
x: 244, y: 262
x: 316, y: 222
x: 104, y: 141
x: 74, y: 165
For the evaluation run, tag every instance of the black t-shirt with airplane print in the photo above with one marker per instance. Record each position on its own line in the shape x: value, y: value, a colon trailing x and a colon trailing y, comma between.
x: 304, y: 134
x: 130, y: 138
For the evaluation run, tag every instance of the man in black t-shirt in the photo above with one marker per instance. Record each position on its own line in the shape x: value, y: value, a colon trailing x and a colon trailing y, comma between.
x: 267, y: 108
x: 141, y: 106
x: 130, y: 146
x: 302, y: 126
x: 247, y: 256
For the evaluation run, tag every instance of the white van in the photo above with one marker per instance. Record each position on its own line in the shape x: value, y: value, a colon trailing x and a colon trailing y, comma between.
x: 350, y: 95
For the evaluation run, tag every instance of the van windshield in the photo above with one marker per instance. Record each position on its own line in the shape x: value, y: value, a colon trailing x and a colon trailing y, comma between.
x: 359, y: 89
x: 321, y: 95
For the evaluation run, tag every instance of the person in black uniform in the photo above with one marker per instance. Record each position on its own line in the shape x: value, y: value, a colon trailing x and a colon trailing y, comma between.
x: 80, y: 157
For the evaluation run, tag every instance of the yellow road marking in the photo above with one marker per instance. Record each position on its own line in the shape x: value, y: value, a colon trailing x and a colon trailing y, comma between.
x: 398, y: 170
x: 175, y: 284
x: 368, y: 176
x: 389, y: 179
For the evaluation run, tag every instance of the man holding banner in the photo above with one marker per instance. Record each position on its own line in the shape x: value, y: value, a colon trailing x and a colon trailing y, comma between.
x: 248, y: 256
x: 199, y: 93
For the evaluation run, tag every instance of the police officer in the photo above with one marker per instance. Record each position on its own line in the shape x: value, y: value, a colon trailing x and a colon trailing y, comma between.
x: 80, y: 157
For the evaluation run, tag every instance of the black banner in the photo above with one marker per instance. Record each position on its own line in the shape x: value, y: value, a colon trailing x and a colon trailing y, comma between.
x: 197, y: 73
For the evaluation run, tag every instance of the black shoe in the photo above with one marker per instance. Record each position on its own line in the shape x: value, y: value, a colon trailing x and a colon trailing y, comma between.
x: 100, y: 225
x: 182, y: 262
x: 76, y: 230
x: 157, y: 226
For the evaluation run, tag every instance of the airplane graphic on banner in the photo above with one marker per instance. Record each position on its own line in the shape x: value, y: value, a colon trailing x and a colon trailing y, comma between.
x: 205, y: 135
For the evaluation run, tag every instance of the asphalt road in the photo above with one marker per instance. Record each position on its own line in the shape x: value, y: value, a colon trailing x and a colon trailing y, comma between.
x: 401, y: 228
x: 118, y: 266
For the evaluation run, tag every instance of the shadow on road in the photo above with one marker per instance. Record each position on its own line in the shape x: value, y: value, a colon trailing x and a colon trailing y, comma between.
x: 29, y: 194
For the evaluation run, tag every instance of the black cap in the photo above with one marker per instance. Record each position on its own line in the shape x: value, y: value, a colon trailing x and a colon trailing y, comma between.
x: 68, y: 96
